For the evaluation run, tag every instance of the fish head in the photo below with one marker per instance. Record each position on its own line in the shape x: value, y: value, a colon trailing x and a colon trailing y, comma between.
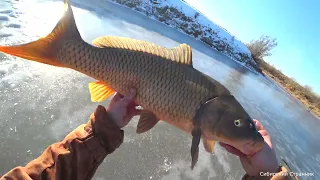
x: 224, y: 119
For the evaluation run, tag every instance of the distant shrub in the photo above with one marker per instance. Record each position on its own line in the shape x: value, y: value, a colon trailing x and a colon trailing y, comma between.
x: 162, y: 19
x: 174, y: 10
x: 262, y: 47
x: 207, y: 40
x: 196, y: 15
x: 131, y: 3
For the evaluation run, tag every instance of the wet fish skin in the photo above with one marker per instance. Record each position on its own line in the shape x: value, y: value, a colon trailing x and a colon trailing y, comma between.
x: 172, y: 91
x: 168, y: 87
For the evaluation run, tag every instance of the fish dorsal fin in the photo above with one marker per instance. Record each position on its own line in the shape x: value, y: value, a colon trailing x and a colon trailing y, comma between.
x: 181, y: 53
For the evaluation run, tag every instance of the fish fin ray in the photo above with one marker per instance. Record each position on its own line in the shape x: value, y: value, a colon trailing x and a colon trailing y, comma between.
x: 181, y: 54
x: 146, y: 122
x: 99, y: 91
x: 208, y: 145
x: 45, y: 49
x: 196, y: 136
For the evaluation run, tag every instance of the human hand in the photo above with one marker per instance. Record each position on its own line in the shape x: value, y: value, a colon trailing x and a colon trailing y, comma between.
x: 122, y: 108
x: 263, y: 161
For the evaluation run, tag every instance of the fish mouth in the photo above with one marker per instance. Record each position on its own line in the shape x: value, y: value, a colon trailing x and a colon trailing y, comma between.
x: 252, y: 147
x: 246, y: 147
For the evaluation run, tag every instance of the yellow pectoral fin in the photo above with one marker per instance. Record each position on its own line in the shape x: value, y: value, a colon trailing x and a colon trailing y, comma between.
x: 99, y: 91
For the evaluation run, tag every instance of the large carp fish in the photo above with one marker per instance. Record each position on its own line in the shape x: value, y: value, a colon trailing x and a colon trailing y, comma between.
x: 168, y: 87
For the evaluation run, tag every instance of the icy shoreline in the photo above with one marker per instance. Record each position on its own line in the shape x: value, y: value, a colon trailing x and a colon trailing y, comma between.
x: 182, y: 17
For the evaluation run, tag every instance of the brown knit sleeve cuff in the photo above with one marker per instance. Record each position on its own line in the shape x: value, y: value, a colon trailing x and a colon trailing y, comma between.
x: 102, y: 126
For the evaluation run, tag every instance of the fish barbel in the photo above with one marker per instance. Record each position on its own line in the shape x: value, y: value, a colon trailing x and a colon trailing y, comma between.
x: 168, y: 87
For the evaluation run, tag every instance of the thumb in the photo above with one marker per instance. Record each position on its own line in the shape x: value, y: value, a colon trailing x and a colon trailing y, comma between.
x: 117, y: 97
x: 128, y: 98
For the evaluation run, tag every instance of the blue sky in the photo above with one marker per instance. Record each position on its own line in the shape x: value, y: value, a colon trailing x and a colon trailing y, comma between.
x: 295, y: 24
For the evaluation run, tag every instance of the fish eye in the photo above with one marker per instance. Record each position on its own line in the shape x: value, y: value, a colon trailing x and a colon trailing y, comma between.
x: 250, y: 125
x: 237, y: 122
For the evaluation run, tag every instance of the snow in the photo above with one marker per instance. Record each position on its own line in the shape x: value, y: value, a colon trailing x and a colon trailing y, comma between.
x: 186, y: 9
x: 202, y: 19
x: 181, y: 16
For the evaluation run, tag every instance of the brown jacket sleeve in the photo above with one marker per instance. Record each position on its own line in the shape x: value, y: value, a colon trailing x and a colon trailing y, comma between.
x: 78, y: 155
x: 282, y: 174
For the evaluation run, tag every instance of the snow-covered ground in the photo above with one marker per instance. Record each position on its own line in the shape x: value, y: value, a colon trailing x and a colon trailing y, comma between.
x: 181, y: 16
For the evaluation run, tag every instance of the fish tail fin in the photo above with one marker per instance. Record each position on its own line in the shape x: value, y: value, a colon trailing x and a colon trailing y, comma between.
x: 44, y: 50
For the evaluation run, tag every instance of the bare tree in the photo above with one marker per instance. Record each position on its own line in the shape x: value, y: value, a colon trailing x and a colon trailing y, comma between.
x: 262, y: 47
x: 196, y: 15
x: 309, y: 88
